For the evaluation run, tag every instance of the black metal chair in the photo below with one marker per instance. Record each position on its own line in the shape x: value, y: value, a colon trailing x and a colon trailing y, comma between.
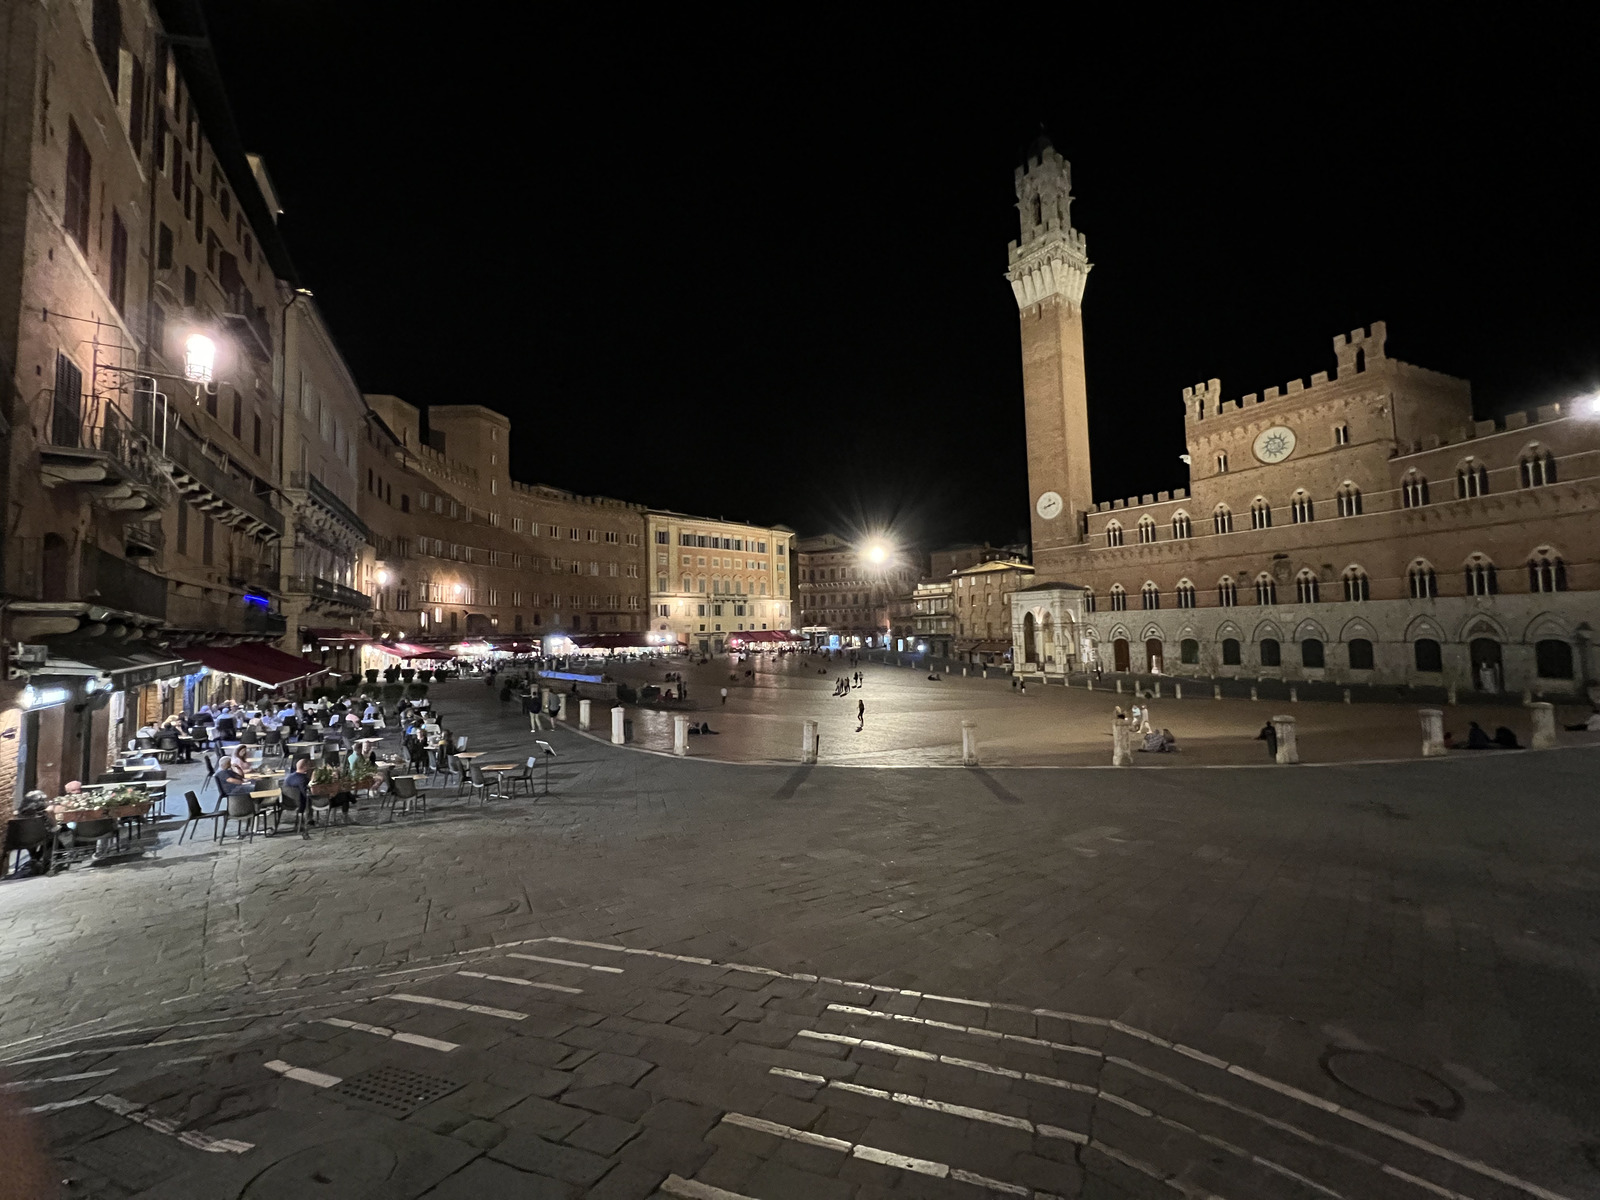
x: 167, y: 748
x: 31, y: 835
x: 198, y: 814
x: 515, y: 779
x: 242, y: 809
x: 293, y: 798
x: 404, y: 793
x: 272, y: 744
x: 482, y: 788
x: 211, y: 775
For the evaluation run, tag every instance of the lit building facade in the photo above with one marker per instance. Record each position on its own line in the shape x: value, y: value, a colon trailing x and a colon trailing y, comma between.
x: 1358, y: 526
x: 844, y: 594
x: 981, y: 605
x: 712, y: 578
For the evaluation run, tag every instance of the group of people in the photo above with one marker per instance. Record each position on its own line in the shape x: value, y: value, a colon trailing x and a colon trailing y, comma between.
x: 843, y: 684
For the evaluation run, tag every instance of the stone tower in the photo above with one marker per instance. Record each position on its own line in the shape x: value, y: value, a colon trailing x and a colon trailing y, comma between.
x: 1048, y: 268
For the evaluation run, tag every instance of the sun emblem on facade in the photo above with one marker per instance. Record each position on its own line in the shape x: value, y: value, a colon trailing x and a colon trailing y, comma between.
x: 1275, y: 444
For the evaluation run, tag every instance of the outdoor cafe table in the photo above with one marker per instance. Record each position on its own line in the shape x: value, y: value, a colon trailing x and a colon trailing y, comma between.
x: 469, y: 755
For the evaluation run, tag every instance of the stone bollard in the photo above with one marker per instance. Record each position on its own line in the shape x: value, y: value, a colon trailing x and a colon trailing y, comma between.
x: 969, y: 743
x: 1450, y: 695
x: 1216, y: 691
x: 1544, y: 725
x: 1119, y: 687
x: 808, y: 742
x: 1177, y: 691
x: 1432, y: 732
x: 963, y: 672
x: 1088, y: 684
x: 618, y: 729
x: 1347, y: 695
x: 1294, y: 696
x: 1252, y: 691
x: 585, y: 708
x: 1121, y: 744
x: 986, y: 672
x: 561, y: 703
x: 1527, y: 696
x: 680, y: 734
x: 1288, y: 748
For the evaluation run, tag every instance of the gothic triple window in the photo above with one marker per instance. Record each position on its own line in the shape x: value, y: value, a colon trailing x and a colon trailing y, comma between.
x: 1266, y: 589
x: 1424, y: 583
x: 1151, y: 595
x: 1185, y: 594
x: 1414, y: 489
x: 1301, y: 508
x: 1356, y: 585
x: 1180, y: 525
x: 1538, y: 467
x: 1113, y: 533
x: 1260, y: 514
x: 1480, y: 576
x: 1222, y: 519
x: 1147, y: 530
x: 1119, y: 598
x: 1306, y: 589
x: 1472, y: 479
x: 1227, y: 592
x: 1349, y: 498
x: 1088, y: 602
x: 1546, y: 571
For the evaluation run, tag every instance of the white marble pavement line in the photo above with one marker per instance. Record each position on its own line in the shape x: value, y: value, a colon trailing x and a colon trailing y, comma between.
x: 410, y: 1039
x: 317, y: 1079
x: 533, y: 983
x: 140, y: 1114
x: 1283, y: 1089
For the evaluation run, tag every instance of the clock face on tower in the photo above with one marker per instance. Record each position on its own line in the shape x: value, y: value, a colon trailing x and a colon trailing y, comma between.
x: 1049, y: 505
x: 1275, y: 444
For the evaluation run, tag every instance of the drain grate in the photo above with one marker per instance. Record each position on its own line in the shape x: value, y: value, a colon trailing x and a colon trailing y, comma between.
x: 394, y: 1090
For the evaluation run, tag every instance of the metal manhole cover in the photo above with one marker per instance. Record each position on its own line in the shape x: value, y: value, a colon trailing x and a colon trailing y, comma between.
x: 1392, y: 1083
x: 394, y: 1090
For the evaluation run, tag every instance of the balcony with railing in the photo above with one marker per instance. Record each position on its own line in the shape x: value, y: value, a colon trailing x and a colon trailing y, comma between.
x: 209, y: 486
x: 197, y: 616
x: 86, y: 441
x: 328, y: 500
x: 325, y: 591
x: 114, y: 582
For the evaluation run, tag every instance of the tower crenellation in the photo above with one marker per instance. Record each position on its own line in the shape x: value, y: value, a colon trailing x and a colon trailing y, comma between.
x: 1050, y: 258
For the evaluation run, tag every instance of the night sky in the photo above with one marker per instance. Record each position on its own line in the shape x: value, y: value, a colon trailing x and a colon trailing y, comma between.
x: 759, y: 273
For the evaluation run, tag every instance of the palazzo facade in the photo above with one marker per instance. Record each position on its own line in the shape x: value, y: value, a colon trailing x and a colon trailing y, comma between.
x: 1358, y: 526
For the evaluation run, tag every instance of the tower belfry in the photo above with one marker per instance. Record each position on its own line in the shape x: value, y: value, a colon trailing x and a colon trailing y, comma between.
x: 1049, y: 266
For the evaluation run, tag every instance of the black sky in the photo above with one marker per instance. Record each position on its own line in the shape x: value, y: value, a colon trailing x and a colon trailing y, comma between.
x: 757, y: 271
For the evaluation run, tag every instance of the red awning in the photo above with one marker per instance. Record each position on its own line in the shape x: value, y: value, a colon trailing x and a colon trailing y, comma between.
x: 259, y: 664
x: 761, y: 635
x: 609, y: 641
x: 335, y: 635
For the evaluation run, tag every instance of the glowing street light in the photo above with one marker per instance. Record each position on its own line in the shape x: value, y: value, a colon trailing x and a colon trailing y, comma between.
x: 199, y: 358
x: 877, y: 553
x: 383, y: 577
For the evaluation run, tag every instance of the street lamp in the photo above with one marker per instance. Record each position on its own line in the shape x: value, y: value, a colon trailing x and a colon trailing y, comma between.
x: 383, y: 577
x: 199, y: 358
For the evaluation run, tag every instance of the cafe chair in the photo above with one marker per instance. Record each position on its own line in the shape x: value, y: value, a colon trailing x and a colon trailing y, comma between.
x: 481, y: 787
x: 86, y: 838
x: 211, y: 775
x: 31, y: 835
x: 294, y: 798
x: 242, y: 811
x: 198, y: 814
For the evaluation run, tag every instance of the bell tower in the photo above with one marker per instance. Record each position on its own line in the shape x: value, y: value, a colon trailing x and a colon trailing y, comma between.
x: 1049, y: 266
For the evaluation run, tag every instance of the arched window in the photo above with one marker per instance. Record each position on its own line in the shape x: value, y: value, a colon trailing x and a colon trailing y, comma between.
x: 1546, y: 571
x: 1356, y: 585
x: 1360, y: 650
x: 1271, y: 653
x: 1311, y: 653
x: 1538, y: 467
x: 1088, y: 602
x: 1306, y: 588
x: 1189, y: 652
x: 1222, y: 464
x: 1266, y: 589
x: 1151, y: 595
x: 1349, y: 497
x: 1180, y: 525
x: 1553, y: 659
x: 1147, y: 529
x: 1428, y: 655
x: 1301, y: 508
x: 1227, y: 592
x: 1480, y: 576
x: 1119, y: 598
x: 1472, y: 479
x: 1230, y: 652
x: 1341, y: 434
x: 1424, y: 583
x: 1260, y: 514
x: 1222, y: 519
x: 1113, y: 533
x: 1414, y: 489
x: 1185, y: 594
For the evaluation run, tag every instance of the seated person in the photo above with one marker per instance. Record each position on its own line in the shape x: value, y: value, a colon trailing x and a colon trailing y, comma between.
x: 230, y: 778
x: 1506, y: 740
x: 1154, y: 743
x: 148, y: 730
x: 1592, y: 725
x: 1477, y: 739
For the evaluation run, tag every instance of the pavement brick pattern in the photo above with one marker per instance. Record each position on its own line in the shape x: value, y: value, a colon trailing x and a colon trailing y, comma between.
x: 696, y: 980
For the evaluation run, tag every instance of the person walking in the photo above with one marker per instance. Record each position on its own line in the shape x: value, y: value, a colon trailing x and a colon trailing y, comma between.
x: 1269, y: 735
x: 724, y: 695
x: 861, y: 715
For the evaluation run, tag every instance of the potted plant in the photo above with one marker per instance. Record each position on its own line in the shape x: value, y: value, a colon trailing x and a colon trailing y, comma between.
x: 361, y: 776
x: 325, y: 781
x: 127, y: 802
x: 391, y: 674
x: 372, y: 676
x: 408, y: 673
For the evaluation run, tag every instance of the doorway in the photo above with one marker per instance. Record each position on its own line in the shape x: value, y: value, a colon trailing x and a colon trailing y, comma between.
x: 1486, y: 676
x: 1152, y: 653
x: 1119, y: 654
x: 1030, y: 651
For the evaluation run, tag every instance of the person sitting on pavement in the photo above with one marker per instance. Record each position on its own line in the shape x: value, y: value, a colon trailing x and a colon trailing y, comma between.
x: 1506, y: 740
x: 1477, y: 739
x: 1154, y: 743
x: 1592, y: 725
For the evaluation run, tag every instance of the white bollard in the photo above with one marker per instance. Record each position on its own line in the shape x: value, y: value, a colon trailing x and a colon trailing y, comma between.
x: 808, y: 742
x: 584, y: 709
x: 1432, y: 732
x: 1252, y: 691
x: 680, y: 734
x: 1121, y: 740
x: 618, y: 730
x: 963, y: 672
x: 1294, y: 696
x: 969, y: 743
x: 1177, y: 691
x: 1347, y: 695
x: 1288, y: 748
x: 1088, y: 684
x: 1158, y: 690
x: 561, y: 709
x: 1119, y: 687
x: 1544, y: 725
x: 1216, y: 691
